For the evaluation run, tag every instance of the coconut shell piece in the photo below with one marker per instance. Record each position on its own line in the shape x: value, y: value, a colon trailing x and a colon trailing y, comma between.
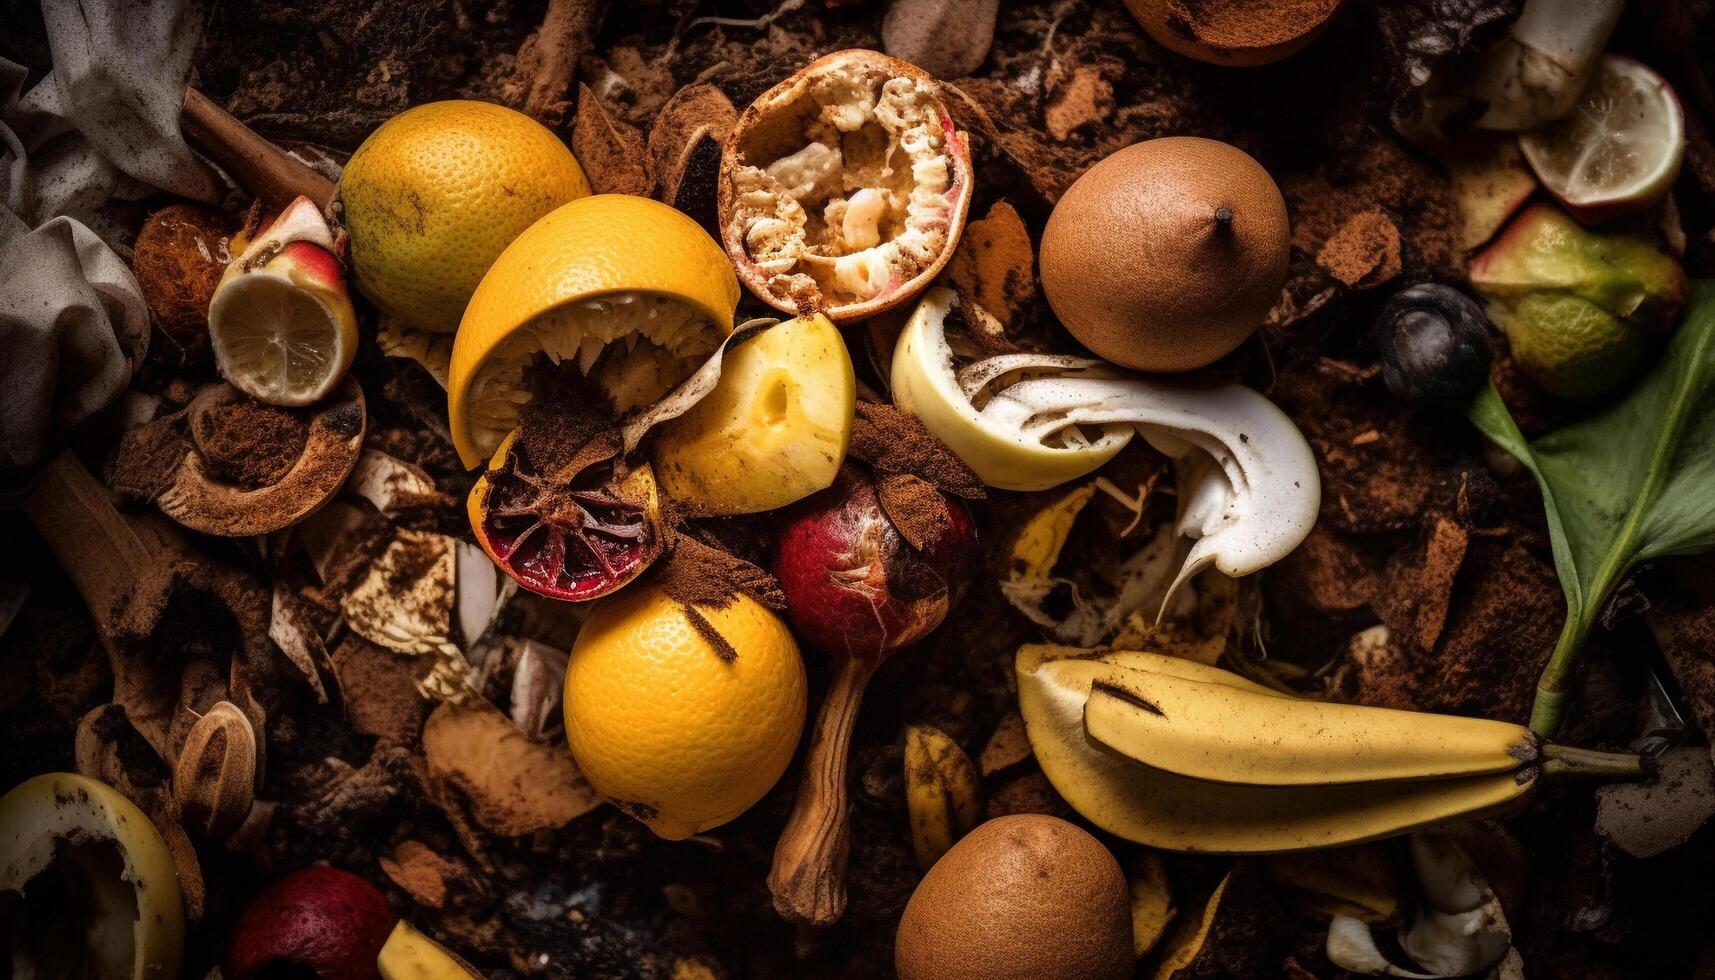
x: 844, y: 189
x: 203, y: 503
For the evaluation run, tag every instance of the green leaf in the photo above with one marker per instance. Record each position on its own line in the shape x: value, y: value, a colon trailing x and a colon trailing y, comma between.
x: 1633, y: 482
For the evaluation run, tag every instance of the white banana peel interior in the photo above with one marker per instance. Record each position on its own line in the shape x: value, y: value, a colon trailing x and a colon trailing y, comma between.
x: 129, y: 918
x: 1248, y: 486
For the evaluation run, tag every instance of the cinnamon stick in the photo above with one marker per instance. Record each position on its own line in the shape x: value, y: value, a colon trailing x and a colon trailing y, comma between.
x: 259, y: 166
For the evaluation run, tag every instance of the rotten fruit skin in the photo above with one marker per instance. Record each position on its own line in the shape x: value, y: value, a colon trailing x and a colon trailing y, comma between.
x: 328, y: 922
x: 1582, y: 310
x: 38, y: 819
x: 786, y: 282
x: 854, y: 585
x: 626, y: 539
x: 857, y: 590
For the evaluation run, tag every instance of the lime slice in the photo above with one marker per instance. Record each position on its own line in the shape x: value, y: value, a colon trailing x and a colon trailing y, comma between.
x: 1620, y: 148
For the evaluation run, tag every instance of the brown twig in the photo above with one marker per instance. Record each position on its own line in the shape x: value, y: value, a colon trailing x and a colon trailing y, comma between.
x: 548, y: 59
x: 259, y: 166
x: 809, y: 874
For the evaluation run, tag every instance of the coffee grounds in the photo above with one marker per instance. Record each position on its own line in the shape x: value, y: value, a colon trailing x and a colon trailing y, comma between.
x: 149, y: 457
x: 1247, y: 23
x: 699, y: 622
x: 698, y: 574
x: 916, y: 508
x: 249, y: 444
x: 1364, y: 251
x: 891, y: 441
x: 568, y: 426
x: 1379, y: 174
x: 995, y: 264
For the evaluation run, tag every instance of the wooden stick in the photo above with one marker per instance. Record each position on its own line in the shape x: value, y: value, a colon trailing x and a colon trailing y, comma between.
x: 809, y: 874
x: 259, y: 166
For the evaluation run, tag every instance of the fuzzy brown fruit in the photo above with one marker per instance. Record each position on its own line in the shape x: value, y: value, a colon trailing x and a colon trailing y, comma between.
x: 1020, y: 896
x: 1167, y: 254
x: 844, y: 189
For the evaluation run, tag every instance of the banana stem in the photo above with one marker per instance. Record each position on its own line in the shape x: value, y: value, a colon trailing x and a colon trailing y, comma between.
x: 1549, y: 707
x: 1564, y: 761
x: 809, y: 874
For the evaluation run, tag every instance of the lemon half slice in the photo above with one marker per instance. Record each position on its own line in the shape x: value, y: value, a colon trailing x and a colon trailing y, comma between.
x: 632, y: 291
x: 1619, y: 150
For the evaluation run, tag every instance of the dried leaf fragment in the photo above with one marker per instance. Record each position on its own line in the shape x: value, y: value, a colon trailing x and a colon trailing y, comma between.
x: 611, y: 151
x: 995, y: 264
x: 513, y: 786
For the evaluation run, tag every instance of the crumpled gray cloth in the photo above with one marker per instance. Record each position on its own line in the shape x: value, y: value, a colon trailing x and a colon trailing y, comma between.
x: 73, y: 326
x: 103, y: 124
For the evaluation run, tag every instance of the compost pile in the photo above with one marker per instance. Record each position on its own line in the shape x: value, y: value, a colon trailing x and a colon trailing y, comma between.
x: 192, y: 566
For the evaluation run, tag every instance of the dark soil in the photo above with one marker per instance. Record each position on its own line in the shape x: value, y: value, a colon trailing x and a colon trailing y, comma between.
x: 1417, y: 532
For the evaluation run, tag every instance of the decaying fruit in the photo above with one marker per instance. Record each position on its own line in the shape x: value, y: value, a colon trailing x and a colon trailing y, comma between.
x: 632, y: 291
x: 87, y: 886
x: 1021, y: 896
x: 1167, y: 254
x: 1619, y: 150
x: 574, y: 531
x: 941, y: 378
x: 1255, y: 803
x: 410, y: 955
x: 315, y: 921
x: 433, y: 196
x: 844, y: 189
x: 683, y: 714
x: 202, y: 501
x: 1582, y: 310
x: 774, y: 429
x: 857, y: 589
x: 853, y: 584
x: 281, y: 321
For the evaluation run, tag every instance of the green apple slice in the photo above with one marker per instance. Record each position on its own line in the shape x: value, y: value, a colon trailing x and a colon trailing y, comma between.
x: 773, y: 430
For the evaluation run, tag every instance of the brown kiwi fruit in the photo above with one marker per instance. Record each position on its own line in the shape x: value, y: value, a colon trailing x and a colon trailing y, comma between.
x: 1166, y: 255
x: 1020, y: 896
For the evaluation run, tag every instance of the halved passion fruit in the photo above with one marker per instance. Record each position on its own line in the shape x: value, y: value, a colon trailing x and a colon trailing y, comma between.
x: 844, y: 189
x: 575, y: 530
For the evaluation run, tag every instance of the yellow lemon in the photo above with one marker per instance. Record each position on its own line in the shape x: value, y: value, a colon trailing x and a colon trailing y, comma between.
x: 432, y: 197
x: 633, y: 292
x: 683, y: 716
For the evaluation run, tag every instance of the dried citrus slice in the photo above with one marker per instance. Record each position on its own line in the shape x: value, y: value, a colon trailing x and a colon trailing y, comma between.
x: 632, y: 291
x: 571, y: 537
x: 281, y: 322
x: 1619, y: 150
